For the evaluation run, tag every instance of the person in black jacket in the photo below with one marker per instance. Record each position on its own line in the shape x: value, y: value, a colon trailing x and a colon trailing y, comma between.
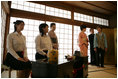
x: 92, y: 52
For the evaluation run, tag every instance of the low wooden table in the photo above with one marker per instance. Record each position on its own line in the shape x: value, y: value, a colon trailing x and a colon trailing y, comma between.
x: 65, y: 70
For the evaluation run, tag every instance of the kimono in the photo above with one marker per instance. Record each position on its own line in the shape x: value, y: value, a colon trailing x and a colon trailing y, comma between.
x: 83, y: 44
x: 53, y: 39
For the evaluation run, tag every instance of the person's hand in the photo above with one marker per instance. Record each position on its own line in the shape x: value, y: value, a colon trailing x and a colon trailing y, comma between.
x: 21, y: 59
x: 87, y: 44
x: 95, y: 49
x: 26, y: 59
x: 105, y: 49
x: 44, y: 54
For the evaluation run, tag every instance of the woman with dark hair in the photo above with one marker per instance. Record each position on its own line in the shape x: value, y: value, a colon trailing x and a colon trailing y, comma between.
x: 43, y: 42
x: 16, y: 57
x: 83, y: 41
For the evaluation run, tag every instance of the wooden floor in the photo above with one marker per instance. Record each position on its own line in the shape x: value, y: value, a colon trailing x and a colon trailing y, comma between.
x: 110, y: 71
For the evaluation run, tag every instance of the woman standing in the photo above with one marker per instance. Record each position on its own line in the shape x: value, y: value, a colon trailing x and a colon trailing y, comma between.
x: 17, y: 52
x: 83, y: 41
x: 43, y: 42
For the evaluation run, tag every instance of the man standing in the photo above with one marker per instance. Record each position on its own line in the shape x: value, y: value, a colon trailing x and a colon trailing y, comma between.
x: 100, y: 46
x: 53, y: 36
x: 92, y: 52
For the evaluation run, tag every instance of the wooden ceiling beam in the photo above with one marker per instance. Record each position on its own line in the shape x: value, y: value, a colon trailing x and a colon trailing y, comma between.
x: 89, y: 7
x: 95, y: 4
x: 61, y: 5
x: 113, y: 3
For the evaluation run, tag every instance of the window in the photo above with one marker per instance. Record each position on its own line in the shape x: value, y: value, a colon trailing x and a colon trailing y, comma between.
x: 58, y: 12
x: 30, y: 31
x: 101, y: 21
x: 39, y: 8
x: 88, y: 33
x: 3, y: 23
x: 87, y: 18
x: 28, y: 6
x: 76, y: 34
x: 83, y: 17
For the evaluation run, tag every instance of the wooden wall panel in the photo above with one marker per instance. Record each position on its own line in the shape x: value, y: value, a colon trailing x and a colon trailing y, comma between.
x: 115, y: 42
x: 110, y: 54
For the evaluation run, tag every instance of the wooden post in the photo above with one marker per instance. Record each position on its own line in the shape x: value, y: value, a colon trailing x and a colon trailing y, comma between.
x: 5, y: 37
x: 93, y: 19
x: 6, y: 32
x: 72, y: 17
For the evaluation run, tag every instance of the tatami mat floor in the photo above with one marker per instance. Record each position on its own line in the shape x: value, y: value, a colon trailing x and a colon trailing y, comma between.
x: 110, y: 71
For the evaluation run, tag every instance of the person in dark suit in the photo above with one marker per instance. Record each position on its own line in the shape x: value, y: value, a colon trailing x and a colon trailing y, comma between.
x: 92, y: 52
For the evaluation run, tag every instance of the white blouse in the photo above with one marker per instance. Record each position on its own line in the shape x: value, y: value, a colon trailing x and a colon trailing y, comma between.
x: 43, y: 43
x: 16, y: 42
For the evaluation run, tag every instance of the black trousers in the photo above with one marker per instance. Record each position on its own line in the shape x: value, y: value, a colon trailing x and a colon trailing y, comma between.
x: 93, y: 56
x: 100, y: 57
x: 39, y: 56
x: 13, y: 63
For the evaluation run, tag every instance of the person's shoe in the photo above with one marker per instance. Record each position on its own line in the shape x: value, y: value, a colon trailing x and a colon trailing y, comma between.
x: 90, y: 63
x: 102, y: 66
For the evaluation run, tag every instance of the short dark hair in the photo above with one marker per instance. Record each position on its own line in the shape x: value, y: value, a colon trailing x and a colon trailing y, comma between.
x: 99, y: 27
x: 82, y: 27
x: 52, y: 24
x: 91, y: 29
x: 41, y: 26
x: 17, y: 22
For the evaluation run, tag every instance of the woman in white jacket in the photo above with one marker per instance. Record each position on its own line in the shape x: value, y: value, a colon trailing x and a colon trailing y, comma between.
x: 43, y: 42
x: 16, y: 57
